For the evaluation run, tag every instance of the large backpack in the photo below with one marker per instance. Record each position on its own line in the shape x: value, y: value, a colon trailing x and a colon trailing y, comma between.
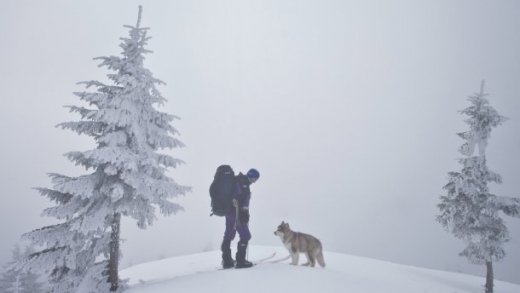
x: 221, y: 190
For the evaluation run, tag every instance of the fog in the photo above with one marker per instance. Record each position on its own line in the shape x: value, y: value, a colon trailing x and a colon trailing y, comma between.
x: 349, y: 110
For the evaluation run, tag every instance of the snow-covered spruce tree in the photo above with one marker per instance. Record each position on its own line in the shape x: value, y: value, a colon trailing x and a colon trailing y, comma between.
x: 469, y: 210
x: 81, y: 254
x: 15, y: 280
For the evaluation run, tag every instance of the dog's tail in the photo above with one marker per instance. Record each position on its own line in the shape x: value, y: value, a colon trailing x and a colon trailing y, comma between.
x: 319, y: 258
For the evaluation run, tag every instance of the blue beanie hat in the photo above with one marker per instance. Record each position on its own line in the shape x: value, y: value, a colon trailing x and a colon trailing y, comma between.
x: 253, y: 174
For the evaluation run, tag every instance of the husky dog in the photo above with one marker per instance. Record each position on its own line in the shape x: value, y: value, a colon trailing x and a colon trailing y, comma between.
x: 297, y: 243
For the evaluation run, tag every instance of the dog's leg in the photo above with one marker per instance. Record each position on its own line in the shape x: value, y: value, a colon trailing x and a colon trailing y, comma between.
x: 319, y: 258
x: 295, y: 258
x: 307, y: 254
x: 312, y: 258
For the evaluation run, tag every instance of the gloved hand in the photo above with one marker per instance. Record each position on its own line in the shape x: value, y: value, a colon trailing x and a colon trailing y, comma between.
x: 243, y: 216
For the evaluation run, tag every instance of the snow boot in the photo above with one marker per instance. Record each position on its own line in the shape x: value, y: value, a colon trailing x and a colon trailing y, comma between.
x: 243, y: 264
x: 241, y: 256
x: 227, y: 260
x: 227, y: 263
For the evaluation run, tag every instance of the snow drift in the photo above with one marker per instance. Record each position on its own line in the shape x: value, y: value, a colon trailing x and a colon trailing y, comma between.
x: 344, y: 273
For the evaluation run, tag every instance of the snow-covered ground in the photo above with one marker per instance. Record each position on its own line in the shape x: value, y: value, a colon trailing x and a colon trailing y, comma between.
x: 343, y: 273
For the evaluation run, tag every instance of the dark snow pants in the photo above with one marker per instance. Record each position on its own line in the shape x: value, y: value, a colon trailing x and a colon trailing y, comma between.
x: 232, y: 227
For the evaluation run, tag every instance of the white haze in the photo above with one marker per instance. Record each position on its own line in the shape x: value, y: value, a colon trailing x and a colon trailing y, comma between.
x: 349, y: 111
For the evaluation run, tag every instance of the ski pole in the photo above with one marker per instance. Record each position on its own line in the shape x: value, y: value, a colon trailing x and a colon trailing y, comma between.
x: 237, y: 219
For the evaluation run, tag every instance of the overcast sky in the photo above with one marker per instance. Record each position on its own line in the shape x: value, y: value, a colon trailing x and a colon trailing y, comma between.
x: 349, y: 110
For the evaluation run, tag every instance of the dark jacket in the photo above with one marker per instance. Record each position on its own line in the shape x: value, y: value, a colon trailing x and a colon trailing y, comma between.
x: 242, y: 193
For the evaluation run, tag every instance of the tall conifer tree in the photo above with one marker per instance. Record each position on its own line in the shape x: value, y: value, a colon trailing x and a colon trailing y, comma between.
x: 81, y: 253
x: 469, y: 210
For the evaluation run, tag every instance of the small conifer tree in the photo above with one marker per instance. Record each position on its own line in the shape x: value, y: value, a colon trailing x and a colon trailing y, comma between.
x: 14, y: 279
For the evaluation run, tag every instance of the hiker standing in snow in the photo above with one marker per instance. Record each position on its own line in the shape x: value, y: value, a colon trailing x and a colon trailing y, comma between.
x: 237, y: 220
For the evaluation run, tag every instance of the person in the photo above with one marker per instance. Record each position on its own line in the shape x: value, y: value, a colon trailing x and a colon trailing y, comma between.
x: 237, y: 220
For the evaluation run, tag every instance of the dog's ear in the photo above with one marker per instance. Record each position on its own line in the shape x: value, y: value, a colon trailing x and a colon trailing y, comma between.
x: 283, y: 223
x: 286, y: 225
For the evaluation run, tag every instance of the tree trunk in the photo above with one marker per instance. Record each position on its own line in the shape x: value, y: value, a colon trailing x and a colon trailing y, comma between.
x: 113, y: 262
x: 489, y: 277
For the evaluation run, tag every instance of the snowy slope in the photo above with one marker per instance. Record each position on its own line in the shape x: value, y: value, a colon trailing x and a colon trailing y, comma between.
x: 344, y: 273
